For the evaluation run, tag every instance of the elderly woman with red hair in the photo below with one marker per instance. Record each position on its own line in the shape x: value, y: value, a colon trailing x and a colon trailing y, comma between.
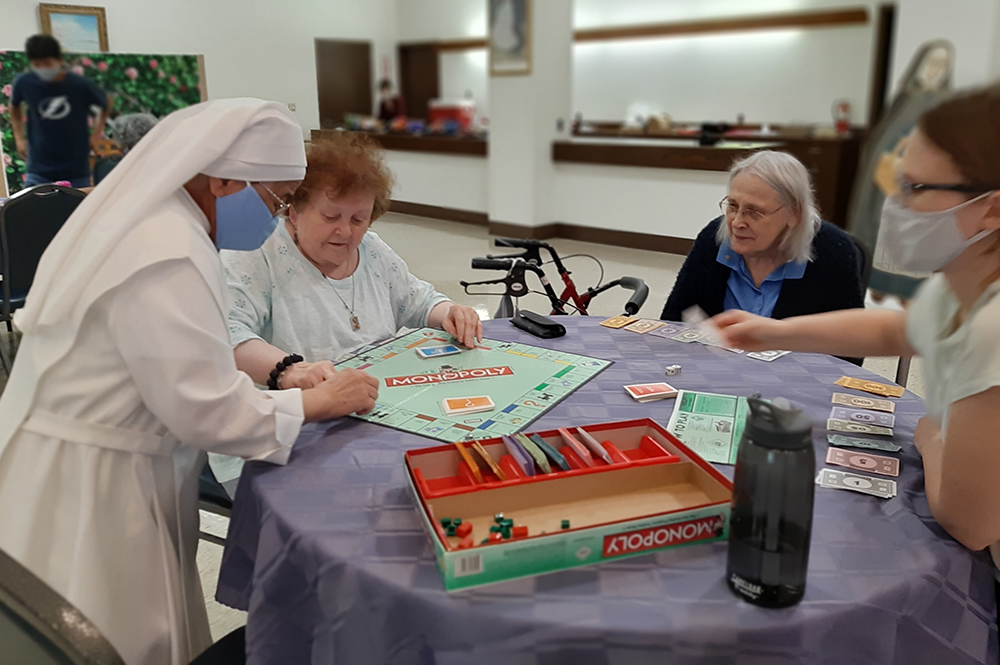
x: 324, y: 284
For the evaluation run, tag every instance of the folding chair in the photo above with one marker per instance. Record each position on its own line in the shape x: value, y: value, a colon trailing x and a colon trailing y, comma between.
x: 38, y: 626
x: 28, y: 222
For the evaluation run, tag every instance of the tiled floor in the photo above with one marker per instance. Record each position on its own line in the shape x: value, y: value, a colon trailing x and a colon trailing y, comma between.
x: 440, y: 253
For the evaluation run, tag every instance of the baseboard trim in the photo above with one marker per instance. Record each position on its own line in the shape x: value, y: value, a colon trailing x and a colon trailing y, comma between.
x: 543, y: 232
x: 440, y: 212
x: 613, y: 237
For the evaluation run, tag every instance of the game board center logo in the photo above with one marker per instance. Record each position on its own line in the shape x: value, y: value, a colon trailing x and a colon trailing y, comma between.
x: 442, y: 377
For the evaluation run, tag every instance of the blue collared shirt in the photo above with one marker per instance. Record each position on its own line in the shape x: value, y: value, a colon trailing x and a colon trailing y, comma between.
x: 742, y: 293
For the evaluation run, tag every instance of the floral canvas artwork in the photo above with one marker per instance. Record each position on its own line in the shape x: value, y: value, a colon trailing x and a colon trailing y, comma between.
x: 156, y: 84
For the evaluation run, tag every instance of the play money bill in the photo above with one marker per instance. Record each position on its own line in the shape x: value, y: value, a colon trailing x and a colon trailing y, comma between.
x: 870, y: 386
x: 767, y: 356
x: 856, y: 428
x: 687, y: 336
x: 863, y: 416
x: 667, y: 331
x: 855, y: 442
x: 843, y: 480
x: 643, y: 326
x: 884, y: 466
x: 618, y: 321
x: 858, y: 402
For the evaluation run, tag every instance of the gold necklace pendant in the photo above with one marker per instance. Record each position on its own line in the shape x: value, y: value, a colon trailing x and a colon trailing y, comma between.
x: 355, y: 323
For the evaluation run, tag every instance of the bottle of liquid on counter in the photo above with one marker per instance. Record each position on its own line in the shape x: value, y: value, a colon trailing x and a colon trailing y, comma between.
x: 772, y: 507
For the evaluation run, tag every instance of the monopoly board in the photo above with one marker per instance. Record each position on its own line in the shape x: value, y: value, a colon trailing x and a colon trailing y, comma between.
x: 524, y: 382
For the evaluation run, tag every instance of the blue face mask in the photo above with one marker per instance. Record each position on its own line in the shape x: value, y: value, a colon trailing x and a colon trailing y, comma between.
x: 242, y: 220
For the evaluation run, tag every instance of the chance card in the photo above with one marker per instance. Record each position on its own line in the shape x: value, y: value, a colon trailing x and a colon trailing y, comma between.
x: 647, y: 392
x: 885, y: 466
x: 438, y: 351
x: 456, y: 406
x: 862, y: 416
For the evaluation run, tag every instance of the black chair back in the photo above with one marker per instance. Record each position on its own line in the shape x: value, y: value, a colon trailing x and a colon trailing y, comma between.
x: 39, y: 626
x: 28, y: 222
x: 864, y: 263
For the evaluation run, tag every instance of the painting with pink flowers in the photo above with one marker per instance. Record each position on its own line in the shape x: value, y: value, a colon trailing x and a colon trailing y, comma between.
x: 156, y: 84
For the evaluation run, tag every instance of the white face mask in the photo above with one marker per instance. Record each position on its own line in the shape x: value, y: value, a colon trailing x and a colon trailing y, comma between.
x: 47, y: 74
x: 924, y: 241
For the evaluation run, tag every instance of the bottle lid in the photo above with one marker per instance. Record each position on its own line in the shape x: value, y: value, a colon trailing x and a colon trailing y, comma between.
x: 778, y: 424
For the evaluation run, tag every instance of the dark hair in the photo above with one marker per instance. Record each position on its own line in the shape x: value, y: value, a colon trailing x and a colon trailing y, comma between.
x: 384, y: 83
x: 346, y: 163
x: 40, y: 47
x: 966, y: 127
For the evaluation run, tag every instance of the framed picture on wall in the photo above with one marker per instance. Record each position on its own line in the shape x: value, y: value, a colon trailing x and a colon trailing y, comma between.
x: 510, y: 37
x: 79, y: 29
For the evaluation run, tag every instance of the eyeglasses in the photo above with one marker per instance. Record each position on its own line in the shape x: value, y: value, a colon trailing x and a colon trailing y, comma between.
x: 908, y: 189
x: 731, y: 210
x: 282, y: 206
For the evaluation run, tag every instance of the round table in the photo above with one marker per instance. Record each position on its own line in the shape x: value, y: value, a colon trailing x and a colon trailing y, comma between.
x: 328, y: 557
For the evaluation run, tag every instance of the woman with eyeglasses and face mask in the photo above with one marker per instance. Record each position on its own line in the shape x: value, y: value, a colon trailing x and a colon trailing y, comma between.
x: 769, y: 253
x: 943, y: 219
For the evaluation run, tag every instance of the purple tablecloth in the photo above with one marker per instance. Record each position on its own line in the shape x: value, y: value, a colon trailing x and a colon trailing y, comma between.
x: 329, y: 559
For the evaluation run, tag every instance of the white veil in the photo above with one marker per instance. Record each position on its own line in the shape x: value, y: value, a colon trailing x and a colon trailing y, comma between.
x: 244, y: 139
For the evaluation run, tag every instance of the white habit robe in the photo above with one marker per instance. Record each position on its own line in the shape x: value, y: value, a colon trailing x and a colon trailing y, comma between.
x: 98, y: 483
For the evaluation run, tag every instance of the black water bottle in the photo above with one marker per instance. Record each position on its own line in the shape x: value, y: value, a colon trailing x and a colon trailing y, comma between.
x: 772, y: 505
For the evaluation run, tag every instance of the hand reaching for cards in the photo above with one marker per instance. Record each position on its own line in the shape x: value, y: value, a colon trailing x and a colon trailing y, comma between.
x: 307, y: 375
x: 464, y: 325
x: 743, y: 330
x: 346, y: 391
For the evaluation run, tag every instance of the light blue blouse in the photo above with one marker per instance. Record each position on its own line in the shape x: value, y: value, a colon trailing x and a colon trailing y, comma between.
x: 741, y: 291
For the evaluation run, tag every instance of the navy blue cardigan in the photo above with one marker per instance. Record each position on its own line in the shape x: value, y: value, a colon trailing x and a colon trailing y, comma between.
x: 831, y: 280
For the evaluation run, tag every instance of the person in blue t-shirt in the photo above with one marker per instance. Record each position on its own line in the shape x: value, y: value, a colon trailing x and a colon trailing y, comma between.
x: 59, y: 104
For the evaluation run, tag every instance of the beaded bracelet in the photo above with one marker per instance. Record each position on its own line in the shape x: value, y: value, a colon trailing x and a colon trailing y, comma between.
x: 285, y: 363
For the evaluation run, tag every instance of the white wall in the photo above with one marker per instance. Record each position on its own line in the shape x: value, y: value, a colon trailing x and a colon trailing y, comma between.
x: 786, y: 76
x: 602, y: 13
x: 463, y: 71
x: 972, y: 26
x: 774, y: 76
x: 665, y: 202
x: 431, y: 20
x: 449, y: 181
x: 251, y: 47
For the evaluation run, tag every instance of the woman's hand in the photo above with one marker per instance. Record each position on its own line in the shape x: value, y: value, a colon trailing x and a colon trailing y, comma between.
x: 927, y: 433
x: 743, y: 330
x: 347, y: 391
x: 307, y: 375
x: 464, y: 325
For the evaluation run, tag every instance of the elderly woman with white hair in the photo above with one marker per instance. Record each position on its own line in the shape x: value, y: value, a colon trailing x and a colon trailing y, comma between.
x: 769, y: 253
x: 126, y: 130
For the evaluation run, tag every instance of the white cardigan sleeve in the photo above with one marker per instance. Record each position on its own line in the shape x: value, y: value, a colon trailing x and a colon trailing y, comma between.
x: 173, y: 338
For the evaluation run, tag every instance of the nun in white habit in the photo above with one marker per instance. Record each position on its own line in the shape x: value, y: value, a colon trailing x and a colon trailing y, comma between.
x: 125, y: 376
